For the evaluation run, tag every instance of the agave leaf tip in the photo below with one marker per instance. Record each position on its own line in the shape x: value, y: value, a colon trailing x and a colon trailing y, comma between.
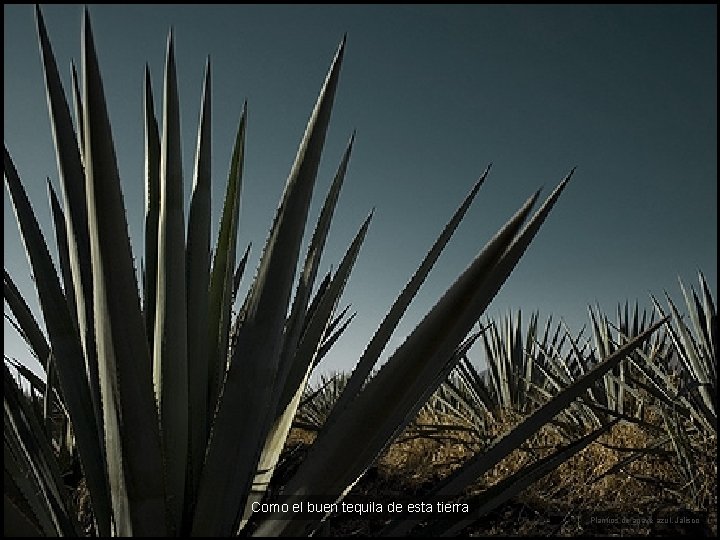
x: 40, y: 23
x: 480, y: 181
x: 569, y: 175
x: 171, y: 42
x: 86, y: 15
x: 536, y: 195
x: 340, y: 49
x: 88, y: 34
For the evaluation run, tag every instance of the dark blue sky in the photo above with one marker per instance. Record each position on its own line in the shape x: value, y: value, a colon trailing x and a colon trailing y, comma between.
x: 628, y: 94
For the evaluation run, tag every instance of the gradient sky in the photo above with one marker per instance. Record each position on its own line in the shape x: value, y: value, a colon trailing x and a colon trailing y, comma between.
x: 628, y: 94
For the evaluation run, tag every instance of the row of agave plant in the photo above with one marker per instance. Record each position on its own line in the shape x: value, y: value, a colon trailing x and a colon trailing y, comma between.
x: 176, y: 408
x: 526, y: 367
x: 667, y: 387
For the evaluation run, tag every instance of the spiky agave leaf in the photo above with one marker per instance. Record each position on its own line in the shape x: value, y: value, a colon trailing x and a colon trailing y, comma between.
x: 332, y: 335
x: 710, y: 328
x: 134, y: 462
x: 71, y: 172
x: 431, y: 387
x: 254, y: 363
x: 63, y: 249
x: 170, y: 371
x: 198, y: 283
x: 221, y: 278
x: 152, y: 206
x: 77, y: 106
x: 240, y: 272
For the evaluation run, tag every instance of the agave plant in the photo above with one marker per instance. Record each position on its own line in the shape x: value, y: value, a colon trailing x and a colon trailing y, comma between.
x: 515, y: 361
x: 696, y: 347
x: 675, y: 377
x: 316, y: 404
x: 455, y: 483
x: 686, y: 392
x: 525, y: 369
x: 662, y: 376
x: 180, y: 408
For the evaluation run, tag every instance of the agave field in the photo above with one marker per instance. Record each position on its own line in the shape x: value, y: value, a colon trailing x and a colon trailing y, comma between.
x: 162, y: 411
x: 642, y: 441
